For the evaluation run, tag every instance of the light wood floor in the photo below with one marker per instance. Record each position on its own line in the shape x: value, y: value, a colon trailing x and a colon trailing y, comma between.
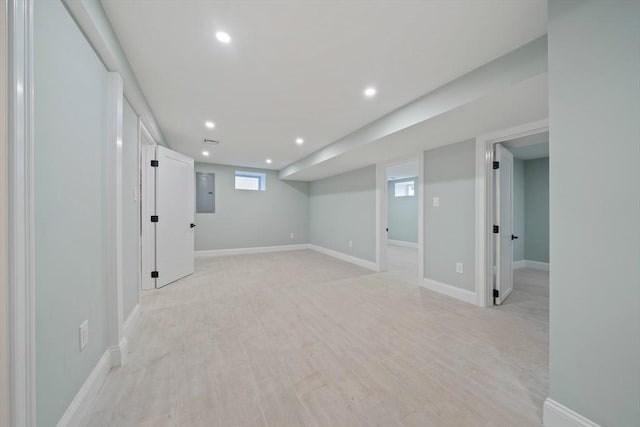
x: 299, y: 338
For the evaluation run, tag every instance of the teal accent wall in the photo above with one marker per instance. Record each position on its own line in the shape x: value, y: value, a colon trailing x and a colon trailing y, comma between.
x: 245, y: 219
x: 594, y: 151
x: 343, y: 208
x: 402, y: 213
x: 518, y: 209
x: 450, y: 228
x: 130, y: 215
x: 536, y: 204
x: 70, y: 107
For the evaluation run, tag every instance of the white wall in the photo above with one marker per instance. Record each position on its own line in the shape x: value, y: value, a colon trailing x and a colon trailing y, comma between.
x: 343, y: 209
x: 449, y: 232
x: 245, y: 219
x: 130, y: 214
x: 70, y: 135
x: 594, y: 103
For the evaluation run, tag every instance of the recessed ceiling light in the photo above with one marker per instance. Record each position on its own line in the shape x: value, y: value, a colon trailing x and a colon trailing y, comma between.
x: 370, y: 91
x: 205, y: 153
x: 223, y: 37
x: 299, y: 141
x: 268, y: 161
x: 210, y: 125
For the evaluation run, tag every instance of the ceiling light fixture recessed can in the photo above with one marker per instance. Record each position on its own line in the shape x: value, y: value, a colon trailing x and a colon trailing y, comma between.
x: 268, y: 161
x: 205, y: 153
x: 299, y: 141
x: 210, y: 124
x: 370, y: 91
x: 223, y: 37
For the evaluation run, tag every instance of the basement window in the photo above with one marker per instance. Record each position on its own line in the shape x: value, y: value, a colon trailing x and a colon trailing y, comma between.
x: 254, y: 181
x: 405, y: 189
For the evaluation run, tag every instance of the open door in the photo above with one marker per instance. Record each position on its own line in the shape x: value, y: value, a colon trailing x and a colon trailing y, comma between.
x: 175, y: 207
x: 504, y: 222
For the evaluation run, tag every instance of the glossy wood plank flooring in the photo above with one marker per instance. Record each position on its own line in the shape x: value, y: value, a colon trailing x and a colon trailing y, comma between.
x: 302, y: 339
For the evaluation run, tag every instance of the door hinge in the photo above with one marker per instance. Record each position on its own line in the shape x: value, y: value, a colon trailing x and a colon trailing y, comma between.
x: 154, y: 218
x: 154, y: 275
x: 496, y: 165
x: 496, y: 293
x: 496, y: 229
x: 155, y: 163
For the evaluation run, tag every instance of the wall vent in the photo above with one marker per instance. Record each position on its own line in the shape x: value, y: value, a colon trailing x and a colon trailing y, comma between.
x: 210, y: 141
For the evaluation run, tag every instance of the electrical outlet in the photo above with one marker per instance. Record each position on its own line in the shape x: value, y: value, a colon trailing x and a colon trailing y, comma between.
x: 84, y: 334
x: 459, y: 268
x: 436, y: 201
x: 350, y: 243
x: 291, y: 235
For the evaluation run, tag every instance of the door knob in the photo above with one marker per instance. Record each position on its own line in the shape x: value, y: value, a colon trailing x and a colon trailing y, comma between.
x: 192, y: 225
x: 513, y: 237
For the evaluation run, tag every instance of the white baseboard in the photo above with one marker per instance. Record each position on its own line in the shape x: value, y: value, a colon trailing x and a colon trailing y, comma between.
x: 452, y: 291
x: 114, y: 356
x: 131, y: 321
x: 245, y: 251
x: 536, y: 265
x: 402, y: 243
x: 344, y: 257
x: 87, y: 393
x: 558, y: 415
x: 119, y: 353
x: 516, y: 264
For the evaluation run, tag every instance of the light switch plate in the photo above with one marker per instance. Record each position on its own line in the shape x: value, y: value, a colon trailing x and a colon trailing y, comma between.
x: 436, y: 202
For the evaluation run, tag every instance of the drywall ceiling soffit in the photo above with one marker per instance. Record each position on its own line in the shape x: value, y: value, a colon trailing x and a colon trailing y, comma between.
x: 402, y: 170
x: 500, y: 75
x: 501, y: 110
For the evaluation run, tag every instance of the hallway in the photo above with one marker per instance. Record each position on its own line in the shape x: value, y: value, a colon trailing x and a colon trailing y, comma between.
x: 299, y: 338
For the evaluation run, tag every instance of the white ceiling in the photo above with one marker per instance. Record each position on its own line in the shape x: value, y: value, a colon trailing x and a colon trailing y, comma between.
x: 529, y: 147
x: 502, y: 110
x: 298, y: 68
x: 402, y: 170
x: 530, y: 152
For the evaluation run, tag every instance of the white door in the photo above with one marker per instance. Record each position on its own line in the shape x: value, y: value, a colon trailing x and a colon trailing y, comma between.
x: 504, y: 221
x: 175, y: 207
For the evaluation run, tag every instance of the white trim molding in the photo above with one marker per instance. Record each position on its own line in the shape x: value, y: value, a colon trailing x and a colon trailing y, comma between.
x: 484, y: 209
x: 402, y: 243
x: 555, y: 414
x: 247, y: 251
x: 382, y: 214
x: 113, y: 357
x: 344, y: 257
x: 84, y: 398
x: 20, y: 281
x: 113, y: 247
x: 537, y: 265
x: 284, y: 248
x: 516, y: 265
x: 131, y: 322
x: 449, y: 290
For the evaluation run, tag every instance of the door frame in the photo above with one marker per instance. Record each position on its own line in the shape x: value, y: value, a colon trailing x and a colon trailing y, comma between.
x: 382, y: 215
x: 147, y: 186
x: 484, y: 203
x: 20, y: 182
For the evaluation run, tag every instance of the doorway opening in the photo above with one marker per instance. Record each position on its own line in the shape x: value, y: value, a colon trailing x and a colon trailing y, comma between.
x: 400, y: 206
x: 520, y: 234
